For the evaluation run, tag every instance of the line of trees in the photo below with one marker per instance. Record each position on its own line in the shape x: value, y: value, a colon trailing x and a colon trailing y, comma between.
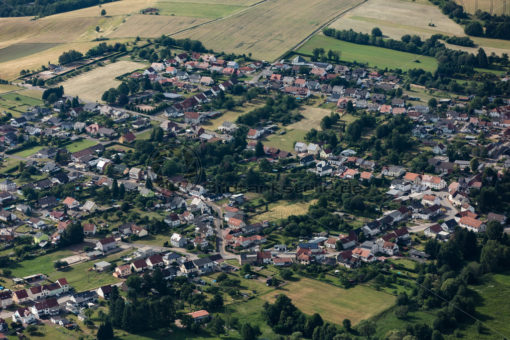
x: 20, y: 8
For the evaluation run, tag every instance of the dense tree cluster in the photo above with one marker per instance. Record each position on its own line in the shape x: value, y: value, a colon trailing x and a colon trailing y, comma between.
x: 482, y: 24
x: 69, y: 56
x: 278, y: 109
x: 53, y: 94
x: 21, y: 8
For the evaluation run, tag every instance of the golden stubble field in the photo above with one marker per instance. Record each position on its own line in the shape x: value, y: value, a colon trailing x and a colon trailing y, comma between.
x: 498, y: 6
x: 269, y: 29
x: 90, y: 86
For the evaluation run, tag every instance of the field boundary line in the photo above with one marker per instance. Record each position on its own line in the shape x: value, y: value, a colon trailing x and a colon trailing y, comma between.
x: 318, y: 29
x: 219, y: 19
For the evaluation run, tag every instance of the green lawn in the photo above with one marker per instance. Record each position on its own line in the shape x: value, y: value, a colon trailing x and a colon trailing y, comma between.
x: 28, y: 152
x: 80, y: 145
x: 372, y: 55
x: 494, y: 309
x: 285, y: 142
x: 196, y: 10
x: 41, y: 264
x: 387, y: 321
x: 77, y: 275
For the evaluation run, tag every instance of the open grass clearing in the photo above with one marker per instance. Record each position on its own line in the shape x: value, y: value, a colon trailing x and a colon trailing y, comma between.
x: 283, y: 209
x: 312, y: 117
x: 373, y: 56
x: 334, y: 304
x: 286, y: 141
x: 91, y: 85
x: 493, y: 309
x: 16, y: 103
x: 41, y: 264
x: 8, y: 88
x: 80, y: 145
x: 28, y: 152
x: 232, y: 115
x: 269, y: 29
x: 196, y: 10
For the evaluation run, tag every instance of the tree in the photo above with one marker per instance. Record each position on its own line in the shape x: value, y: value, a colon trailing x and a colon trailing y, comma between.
x: 474, y: 28
x: 401, y: 312
x: 481, y: 58
x: 474, y: 164
x: 366, y: 328
x: 347, y: 324
x: 72, y: 235
x: 217, y: 325
x: 98, y: 29
x: 494, y: 230
x: 105, y: 331
x: 432, y: 103
x: 249, y: 332
x: 103, y: 12
x: 286, y: 274
x: 376, y: 32
x: 259, y: 149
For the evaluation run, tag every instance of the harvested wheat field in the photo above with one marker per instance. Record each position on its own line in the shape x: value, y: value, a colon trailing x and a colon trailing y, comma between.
x: 151, y: 26
x: 334, y: 303
x: 269, y: 29
x: 397, y: 17
x: 90, y: 86
x: 498, y: 6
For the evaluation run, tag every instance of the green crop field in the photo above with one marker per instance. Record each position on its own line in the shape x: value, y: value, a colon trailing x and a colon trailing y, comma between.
x: 371, y: 55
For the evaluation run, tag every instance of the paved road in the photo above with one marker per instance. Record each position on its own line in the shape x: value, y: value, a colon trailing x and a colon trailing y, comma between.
x: 451, y: 211
x: 221, y: 233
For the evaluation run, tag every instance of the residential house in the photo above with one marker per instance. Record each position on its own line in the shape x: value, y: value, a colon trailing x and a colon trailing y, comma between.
x: 178, y: 240
x: 200, y: 316
x: 106, y: 244
x: 46, y: 307
x: 472, y: 224
x: 104, y: 291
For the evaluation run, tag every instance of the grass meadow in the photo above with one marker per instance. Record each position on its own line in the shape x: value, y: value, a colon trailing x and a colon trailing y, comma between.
x: 373, y: 56
x: 333, y: 303
x: 80, y: 145
x: 16, y: 103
